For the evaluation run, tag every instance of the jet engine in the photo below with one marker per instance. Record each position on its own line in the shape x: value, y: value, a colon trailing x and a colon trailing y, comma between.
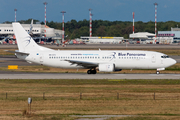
x: 107, y: 68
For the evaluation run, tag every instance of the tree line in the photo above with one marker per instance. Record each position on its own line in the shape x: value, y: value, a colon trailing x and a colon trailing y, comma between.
x: 101, y: 28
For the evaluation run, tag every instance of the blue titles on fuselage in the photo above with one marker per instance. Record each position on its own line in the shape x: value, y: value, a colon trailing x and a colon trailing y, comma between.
x: 131, y: 54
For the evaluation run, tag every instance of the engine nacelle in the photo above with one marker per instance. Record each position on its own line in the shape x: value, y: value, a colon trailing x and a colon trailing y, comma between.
x: 106, y: 67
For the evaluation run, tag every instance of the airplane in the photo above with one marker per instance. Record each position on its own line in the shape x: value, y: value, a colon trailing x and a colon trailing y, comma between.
x: 31, y: 27
x: 102, y: 60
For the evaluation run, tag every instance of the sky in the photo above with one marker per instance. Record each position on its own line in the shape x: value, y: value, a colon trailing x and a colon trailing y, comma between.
x: 111, y: 10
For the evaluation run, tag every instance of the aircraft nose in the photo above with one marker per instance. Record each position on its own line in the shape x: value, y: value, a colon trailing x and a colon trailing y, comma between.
x: 173, y: 61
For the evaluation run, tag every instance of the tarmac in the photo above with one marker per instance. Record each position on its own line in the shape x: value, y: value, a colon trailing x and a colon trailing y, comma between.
x: 19, y: 75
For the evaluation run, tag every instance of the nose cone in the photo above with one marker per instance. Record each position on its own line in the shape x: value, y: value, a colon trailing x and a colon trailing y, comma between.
x: 172, y: 62
x: 169, y: 62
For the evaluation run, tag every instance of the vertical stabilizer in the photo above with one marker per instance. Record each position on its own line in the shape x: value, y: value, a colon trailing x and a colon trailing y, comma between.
x: 24, y: 40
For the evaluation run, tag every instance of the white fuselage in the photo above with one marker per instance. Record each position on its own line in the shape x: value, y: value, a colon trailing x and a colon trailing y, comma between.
x: 122, y: 59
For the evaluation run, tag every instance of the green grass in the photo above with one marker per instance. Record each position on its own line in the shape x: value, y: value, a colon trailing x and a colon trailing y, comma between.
x: 99, y: 97
x: 93, y: 82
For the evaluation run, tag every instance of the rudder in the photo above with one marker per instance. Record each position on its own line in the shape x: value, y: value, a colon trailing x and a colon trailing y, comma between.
x: 24, y: 41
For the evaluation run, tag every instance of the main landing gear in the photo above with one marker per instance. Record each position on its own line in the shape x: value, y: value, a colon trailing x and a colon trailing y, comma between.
x: 91, y: 71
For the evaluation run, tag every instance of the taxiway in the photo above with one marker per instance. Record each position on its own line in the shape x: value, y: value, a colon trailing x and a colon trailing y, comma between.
x: 85, y: 76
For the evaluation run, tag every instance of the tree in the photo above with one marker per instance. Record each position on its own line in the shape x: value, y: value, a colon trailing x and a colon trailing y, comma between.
x: 101, y: 31
x: 76, y: 29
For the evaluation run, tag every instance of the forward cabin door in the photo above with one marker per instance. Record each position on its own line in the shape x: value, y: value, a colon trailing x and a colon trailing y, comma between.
x: 153, y: 58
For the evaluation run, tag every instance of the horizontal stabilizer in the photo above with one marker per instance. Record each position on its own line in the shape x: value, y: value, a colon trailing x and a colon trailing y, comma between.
x: 23, y: 53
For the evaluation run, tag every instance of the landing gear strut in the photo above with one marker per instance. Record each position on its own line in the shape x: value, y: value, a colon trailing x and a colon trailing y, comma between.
x: 91, y: 71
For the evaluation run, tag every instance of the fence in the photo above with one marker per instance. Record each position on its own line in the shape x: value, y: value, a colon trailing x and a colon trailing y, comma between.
x: 91, y: 96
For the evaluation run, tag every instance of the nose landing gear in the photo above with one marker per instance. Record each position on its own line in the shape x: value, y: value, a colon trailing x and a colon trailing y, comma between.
x: 159, y: 69
x: 157, y: 72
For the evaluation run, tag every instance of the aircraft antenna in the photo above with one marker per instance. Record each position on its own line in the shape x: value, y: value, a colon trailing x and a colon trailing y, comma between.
x: 63, y: 27
x: 15, y: 10
x: 45, y: 3
x: 155, y: 4
x: 133, y: 22
x: 90, y: 23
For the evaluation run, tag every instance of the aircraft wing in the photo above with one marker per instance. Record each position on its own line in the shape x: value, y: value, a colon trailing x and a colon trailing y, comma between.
x: 83, y: 63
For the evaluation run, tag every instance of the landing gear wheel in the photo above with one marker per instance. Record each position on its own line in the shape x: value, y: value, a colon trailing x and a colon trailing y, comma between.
x: 93, y: 71
x: 89, y: 72
x: 157, y: 72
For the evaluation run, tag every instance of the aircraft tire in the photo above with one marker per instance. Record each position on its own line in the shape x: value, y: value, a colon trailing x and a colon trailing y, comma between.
x: 94, y: 72
x: 157, y: 72
x: 89, y: 72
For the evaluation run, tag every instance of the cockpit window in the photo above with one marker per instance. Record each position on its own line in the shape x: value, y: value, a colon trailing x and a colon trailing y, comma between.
x: 164, y: 56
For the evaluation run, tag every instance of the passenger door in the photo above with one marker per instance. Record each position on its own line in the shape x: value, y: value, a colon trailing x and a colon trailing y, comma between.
x: 41, y: 58
x: 153, y: 58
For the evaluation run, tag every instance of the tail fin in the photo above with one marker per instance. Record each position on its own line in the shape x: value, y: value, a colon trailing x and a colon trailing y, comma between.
x: 24, y: 40
x: 31, y: 27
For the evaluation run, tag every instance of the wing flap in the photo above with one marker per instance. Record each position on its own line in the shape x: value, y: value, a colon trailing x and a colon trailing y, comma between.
x: 85, y: 64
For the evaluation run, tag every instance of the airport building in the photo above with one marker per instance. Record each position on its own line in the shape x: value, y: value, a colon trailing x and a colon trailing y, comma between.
x: 149, y: 38
x: 175, y: 33
x: 38, y: 32
x: 103, y: 40
x: 143, y: 37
